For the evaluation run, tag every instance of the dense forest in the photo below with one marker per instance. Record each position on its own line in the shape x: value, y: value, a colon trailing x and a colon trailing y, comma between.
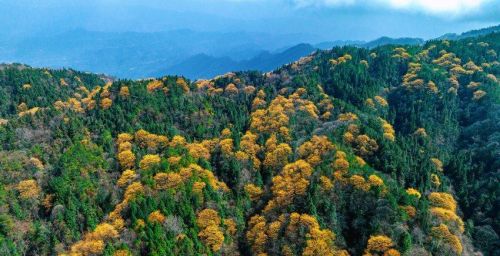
x: 387, y: 151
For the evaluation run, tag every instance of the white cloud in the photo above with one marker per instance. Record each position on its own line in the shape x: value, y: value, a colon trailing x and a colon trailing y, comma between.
x: 454, y: 7
x: 435, y: 7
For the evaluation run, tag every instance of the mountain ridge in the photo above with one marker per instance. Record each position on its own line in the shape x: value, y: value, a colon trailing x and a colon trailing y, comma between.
x: 168, y: 51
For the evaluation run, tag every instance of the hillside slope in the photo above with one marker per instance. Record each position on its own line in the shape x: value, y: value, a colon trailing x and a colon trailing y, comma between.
x: 348, y: 151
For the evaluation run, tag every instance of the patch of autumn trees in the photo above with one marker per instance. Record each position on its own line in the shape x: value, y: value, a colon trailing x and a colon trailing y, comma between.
x: 288, y: 232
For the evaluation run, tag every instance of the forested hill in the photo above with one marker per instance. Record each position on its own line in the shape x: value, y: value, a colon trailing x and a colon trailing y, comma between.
x: 350, y: 151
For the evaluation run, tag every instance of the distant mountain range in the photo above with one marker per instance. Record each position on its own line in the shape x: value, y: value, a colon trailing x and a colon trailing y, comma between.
x: 205, y: 66
x: 472, y: 33
x: 135, y: 55
x: 185, y: 52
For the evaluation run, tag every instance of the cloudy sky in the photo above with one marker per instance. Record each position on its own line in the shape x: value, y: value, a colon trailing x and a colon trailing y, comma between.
x: 322, y: 19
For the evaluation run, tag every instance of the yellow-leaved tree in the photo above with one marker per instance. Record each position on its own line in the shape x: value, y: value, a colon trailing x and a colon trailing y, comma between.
x: 208, y: 221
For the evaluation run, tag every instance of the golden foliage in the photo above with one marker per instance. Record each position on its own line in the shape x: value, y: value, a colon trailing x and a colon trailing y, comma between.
x: 153, y: 85
x: 269, y: 120
x: 447, y: 60
x: 208, y: 217
x: 90, y: 247
x: 125, y: 146
x: 274, y: 228
x: 226, y: 146
x: 249, y: 89
x: 149, y: 161
x: 106, y: 103
x: 93, y: 242
x: 126, y: 159
x: 348, y: 137
x: 208, y: 221
x: 392, y: 252
x: 249, y: 146
x: 140, y: 224
x: 149, y: 140
x: 118, y: 224
x: 292, y: 181
x: 230, y: 226
x: 258, y: 102
x: 413, y: 192
x: 401, y: 52
x: 173, y: 160
x: 253, y: 191
x: 28, y: 189
x: 122, y: 252
x: 231, y: 89
x: 326, y: 183
x: 167, y: 180
x: 277, y: 157
x: 375, y: 180
x: 63, y: 82
x: 31, y: 111
x: 473, y: 85
x: 35, y: 162
x: 203, y: 173
x: 442, y: 232
x: 141, y: 136
x: 182, y: 83
x: 341, y: 59
x: 133, y: 190
x: 103, y: 231
x: 360, y: 161
x: 477, y: 95
x: 366, y: 145
x: 437, y: 163
x: 420, y: 132
x: 22, y: 107
x: 432, y: 87
x: 410, y: 210
x: 319, y: 241
x: 198, y: 150
x: 435, y: 180
x: 370, y: 103
x: 225, y: 133
x: 492, y: 77
x: 340, y: 162
x: 213, y: 237
x: 381, y: 101
x: 443, y: 200
x: 256, y: 233
x: 379, y: 243
x: 156, y: 217
x: 388, y: 130
x: 346, y: 117
x: 313, y: 150
x: 124, y: 91
x: 359, y: 182
x: 198, y: 187
x: 177, y: 140
x: 448, y: 216
x: 126, y: 177
x: 105, y: 93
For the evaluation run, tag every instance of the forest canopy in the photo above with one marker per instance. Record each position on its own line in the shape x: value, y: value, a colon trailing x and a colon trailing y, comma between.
x: 349, y: 151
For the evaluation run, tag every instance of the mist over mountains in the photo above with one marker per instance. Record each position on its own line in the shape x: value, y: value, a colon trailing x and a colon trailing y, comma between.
x: 185, y: 52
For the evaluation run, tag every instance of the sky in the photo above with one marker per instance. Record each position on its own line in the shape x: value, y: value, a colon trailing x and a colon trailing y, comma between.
x: 321, y: 19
